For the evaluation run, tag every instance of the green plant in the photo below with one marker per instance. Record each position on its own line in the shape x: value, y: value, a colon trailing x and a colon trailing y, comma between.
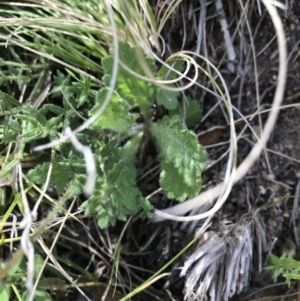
x: 76, y: 36
x: 284, y: 266
x: 115, y: 138
x: 14, y: 282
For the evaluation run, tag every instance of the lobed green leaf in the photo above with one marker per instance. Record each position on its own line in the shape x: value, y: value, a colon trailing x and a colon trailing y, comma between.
x: 116, y: 116
x: 63, y: 171
x: 181, y: 158
x: 116, y: 195
x: 136, y: 91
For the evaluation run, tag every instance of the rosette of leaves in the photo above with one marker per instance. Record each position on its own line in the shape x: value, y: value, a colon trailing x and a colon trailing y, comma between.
x: 181, y: 156
x: 115, y: 138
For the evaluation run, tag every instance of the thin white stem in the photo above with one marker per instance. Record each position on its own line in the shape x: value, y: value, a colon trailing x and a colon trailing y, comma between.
x: 50, y: 255
x: 228, y: 42
x: 37, y: 204
x: 26, y: 243
x: 14, y: 232
x: 89, y: 161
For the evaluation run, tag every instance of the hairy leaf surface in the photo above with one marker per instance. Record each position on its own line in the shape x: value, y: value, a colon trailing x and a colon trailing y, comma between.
x: 136, y: 91
x: 116, y: 195
x: 116, y: 116
x: 181, y: 158
x: 63, y: 170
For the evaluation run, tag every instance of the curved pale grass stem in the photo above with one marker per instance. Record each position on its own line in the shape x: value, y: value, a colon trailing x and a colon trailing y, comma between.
x: 210, y: 195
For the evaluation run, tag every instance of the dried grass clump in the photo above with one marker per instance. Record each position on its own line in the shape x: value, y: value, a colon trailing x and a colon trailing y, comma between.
x: 220, y: 266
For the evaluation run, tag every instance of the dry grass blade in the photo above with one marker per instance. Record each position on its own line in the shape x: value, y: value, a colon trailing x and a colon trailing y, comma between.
x: 220, y: 265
